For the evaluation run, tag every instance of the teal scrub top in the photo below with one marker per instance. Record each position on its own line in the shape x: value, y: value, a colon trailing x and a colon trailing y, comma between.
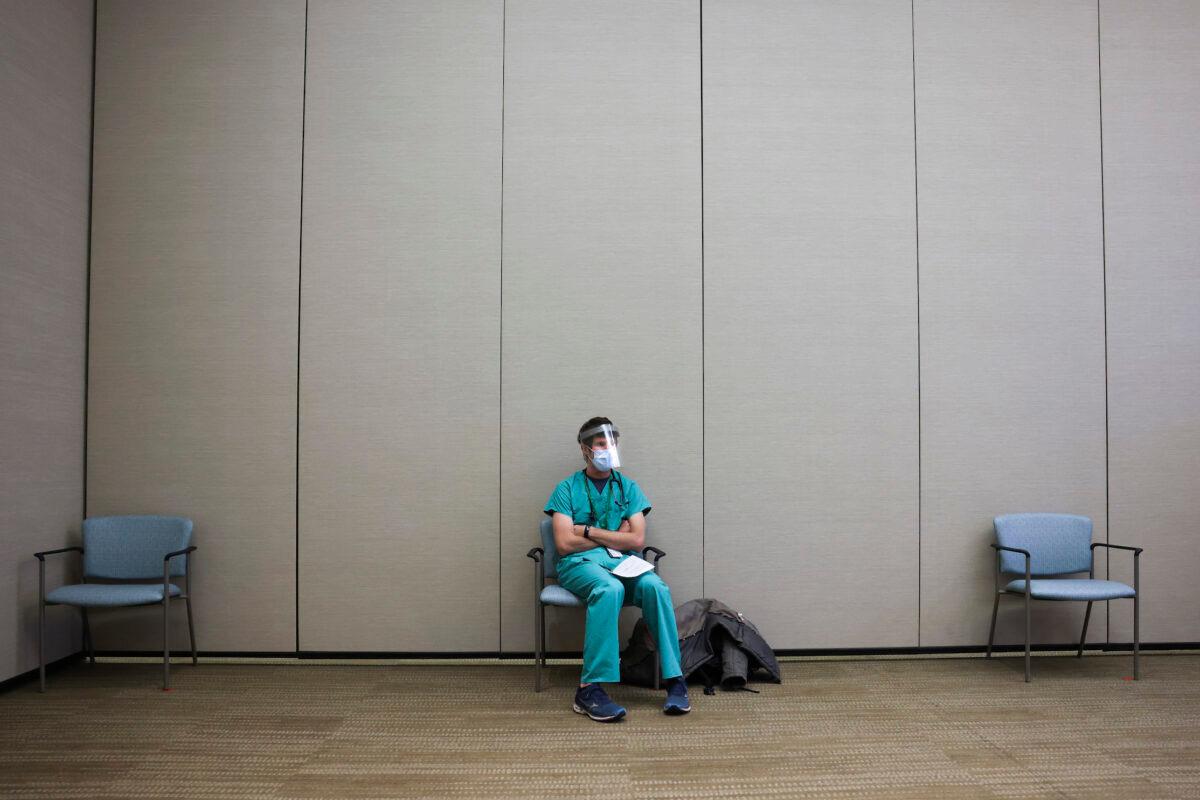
x: 577, y: 497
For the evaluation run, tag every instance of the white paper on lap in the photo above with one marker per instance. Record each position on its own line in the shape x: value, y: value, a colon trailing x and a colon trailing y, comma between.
x: 631, y: 567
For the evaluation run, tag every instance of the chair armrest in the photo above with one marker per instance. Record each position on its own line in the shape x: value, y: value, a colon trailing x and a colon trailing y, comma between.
x: 658, y: 554
x: 1028, y: 576
x: 42, y: 555
x: 1137, y: 563
x: 1137, y: 551
x: 182, y: 552
x: 535, y: 553
x: 167, y: 572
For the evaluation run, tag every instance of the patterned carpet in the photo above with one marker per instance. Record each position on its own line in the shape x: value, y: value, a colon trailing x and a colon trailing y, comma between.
x: 943, y: 728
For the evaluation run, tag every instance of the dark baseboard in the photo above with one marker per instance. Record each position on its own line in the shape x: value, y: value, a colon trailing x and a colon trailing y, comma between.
x: 32, y: 675
x: 291, y: 654
x: 202, y: 653
x: 433, y: 654
x: 965, y: 650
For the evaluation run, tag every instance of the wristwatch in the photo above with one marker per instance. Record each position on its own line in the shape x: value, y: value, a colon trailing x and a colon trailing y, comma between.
x: 587, y: 531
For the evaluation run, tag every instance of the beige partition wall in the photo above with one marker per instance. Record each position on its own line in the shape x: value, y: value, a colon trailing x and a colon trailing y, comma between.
x: 1150, y: 60
x: 360, y: 269
x: 601, y: 290
x: 45, y: 131
x: 1012, y: 293
x: 192, y: 395
x: 810, y: 320
x: 400, y: 331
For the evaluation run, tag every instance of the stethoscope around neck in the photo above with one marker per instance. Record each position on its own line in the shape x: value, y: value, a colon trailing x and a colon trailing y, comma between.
x: 615, y: 477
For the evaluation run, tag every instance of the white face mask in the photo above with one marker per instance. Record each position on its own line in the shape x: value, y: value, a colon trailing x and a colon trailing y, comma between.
x: 603, y: 460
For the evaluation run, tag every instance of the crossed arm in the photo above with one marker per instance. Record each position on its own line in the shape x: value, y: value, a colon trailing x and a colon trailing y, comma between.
x: 568, y: 537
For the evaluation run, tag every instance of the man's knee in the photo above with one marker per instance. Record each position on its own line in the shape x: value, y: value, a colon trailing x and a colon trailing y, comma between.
x: 651, y: 583
x: 607, y: 592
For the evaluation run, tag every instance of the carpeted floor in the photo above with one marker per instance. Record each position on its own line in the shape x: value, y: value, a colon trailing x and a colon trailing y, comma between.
x: 946, y: 728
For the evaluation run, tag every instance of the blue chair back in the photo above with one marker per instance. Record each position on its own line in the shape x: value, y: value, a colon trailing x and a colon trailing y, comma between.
x: 550, y: 557
x: 132, y: 547
x: 1057, y: 543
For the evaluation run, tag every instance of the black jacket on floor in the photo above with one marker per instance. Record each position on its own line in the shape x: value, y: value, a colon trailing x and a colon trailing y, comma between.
x: 716, y: 644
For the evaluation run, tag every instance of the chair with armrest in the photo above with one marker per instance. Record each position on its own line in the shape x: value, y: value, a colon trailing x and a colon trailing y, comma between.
x: 122, y: 550
x: 545, y: 567
x: 1039, y: 545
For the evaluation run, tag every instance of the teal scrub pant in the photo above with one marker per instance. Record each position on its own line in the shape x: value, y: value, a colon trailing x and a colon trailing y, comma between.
x: 605, y: 594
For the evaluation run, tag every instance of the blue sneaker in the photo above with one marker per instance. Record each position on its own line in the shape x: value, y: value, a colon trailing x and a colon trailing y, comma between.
x: 677, y: 698
x: 595, y: 702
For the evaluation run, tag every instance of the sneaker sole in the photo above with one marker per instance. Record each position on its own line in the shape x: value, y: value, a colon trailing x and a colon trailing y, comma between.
x: 578, y: 709
x: 676, y: 711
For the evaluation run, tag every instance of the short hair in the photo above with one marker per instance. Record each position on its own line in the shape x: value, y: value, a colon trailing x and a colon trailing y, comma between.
x: 591, y: 423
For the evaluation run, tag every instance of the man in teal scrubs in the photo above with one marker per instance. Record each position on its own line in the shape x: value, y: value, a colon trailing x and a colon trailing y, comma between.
x: 599, y: 520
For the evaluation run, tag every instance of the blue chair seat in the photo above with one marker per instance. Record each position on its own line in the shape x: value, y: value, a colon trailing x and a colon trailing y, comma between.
x: 110, y: 594
x: 1071, y: 589
x: 555, y: 595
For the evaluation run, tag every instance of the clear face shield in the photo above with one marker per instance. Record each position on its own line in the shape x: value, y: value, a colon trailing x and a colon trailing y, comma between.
x: 602, y: 441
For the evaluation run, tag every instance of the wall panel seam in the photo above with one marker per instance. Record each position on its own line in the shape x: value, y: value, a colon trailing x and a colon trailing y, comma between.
x: 917, y: 254
x: 299, y: 311
x: 87, y: 283
x: 1104, y: 284
x: 703, y: 426
x: 500, y: 376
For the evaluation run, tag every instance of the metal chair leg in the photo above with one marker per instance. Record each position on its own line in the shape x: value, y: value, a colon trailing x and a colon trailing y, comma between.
x: 191, y: 629
x: 658, y: 660
x: 1137, y: 673
x: 1083, y: 636
x: 87, y: 635
x: 42, y: 642
x: 1137, y: 594
x: 992, y: 629
x: 538, y: 613
x: 1027, y: 677
x: 545, y: 657
x: 166, y: 642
